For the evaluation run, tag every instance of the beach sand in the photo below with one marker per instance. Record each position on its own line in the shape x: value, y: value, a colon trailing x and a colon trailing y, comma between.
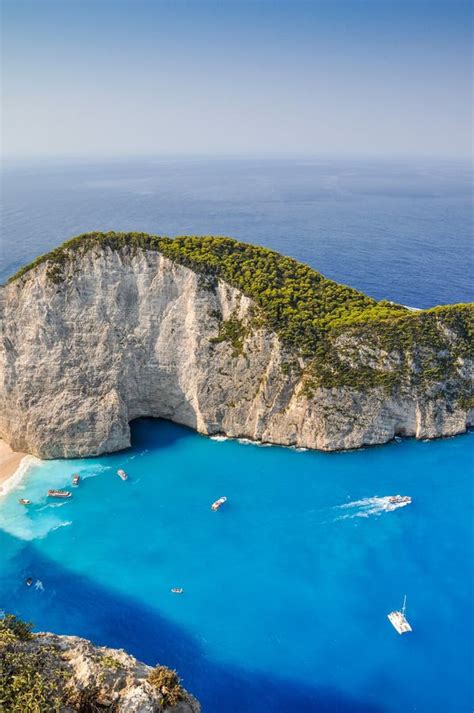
x: 9, y: 462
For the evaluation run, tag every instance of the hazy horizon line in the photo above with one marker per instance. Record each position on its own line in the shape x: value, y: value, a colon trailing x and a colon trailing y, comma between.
x: 10, y: 158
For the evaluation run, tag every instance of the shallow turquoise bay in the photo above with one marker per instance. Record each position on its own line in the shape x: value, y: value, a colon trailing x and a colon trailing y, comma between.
x: 285, y: 592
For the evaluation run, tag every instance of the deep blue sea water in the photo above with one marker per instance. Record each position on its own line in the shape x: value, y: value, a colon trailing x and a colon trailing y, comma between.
x: 396, y: 230
x: 286, y: 589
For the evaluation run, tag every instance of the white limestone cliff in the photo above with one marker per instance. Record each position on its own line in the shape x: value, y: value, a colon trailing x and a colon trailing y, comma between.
x: 130, y: 333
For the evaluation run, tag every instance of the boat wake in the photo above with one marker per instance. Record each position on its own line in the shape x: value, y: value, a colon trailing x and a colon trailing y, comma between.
x: 50, y: 506
x: 66, y: 523
x: 98, y: 469
x: 372, y: 506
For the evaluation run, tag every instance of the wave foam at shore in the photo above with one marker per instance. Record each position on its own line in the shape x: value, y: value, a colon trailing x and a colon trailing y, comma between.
x: 15, y: 480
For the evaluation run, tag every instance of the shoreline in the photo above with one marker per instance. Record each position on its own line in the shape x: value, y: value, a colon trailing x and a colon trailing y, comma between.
x: 13, y: 466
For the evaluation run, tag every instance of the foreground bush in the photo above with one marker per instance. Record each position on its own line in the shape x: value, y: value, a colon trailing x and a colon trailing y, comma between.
x: 168, y: 683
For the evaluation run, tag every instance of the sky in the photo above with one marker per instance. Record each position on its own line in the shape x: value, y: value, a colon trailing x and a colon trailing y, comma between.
x: 276, y: 78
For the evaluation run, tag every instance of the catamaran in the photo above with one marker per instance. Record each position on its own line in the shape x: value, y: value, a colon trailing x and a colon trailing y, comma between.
x: 398, y: 620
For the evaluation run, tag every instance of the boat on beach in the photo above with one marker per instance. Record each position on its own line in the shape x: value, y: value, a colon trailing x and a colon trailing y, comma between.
x: 218, y: 503
x: 122, y: 474
x: 76, y: 479
x: 59, y: 494
x: 398, y: 619
x: 24, y: 501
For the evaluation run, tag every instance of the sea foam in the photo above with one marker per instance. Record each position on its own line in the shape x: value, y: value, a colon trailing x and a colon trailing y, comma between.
x: 14, y: 481
x: 368, y: 506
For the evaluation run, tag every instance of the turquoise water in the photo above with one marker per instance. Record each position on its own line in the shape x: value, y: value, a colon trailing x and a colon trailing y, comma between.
x: 286, y: 592
x: 286, y: 588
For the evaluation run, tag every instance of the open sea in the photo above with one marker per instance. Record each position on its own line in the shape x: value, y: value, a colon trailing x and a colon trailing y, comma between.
x: 288, y: 586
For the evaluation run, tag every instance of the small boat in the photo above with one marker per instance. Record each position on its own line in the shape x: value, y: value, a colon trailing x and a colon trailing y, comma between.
x: 398, y: 501
x: 122, y: 474
x: 218, y: 503
x: 59, y: 494
x: 75, y: 479
x: 177, y: 590
x: 398, y: 619
x: 24, y: 501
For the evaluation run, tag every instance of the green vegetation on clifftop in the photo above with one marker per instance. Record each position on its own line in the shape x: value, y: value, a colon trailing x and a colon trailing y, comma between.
x: 28, y: 678
x: 297, y: 301
x: 317, y: 318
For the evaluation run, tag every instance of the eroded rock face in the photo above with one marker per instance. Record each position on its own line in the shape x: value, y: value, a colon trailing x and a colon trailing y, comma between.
x: 131, y: 334
x: 102, y: 678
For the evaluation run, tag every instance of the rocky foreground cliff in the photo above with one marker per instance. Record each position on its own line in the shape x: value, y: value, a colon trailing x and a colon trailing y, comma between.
x: 224, y: 337
x: 46, y: 673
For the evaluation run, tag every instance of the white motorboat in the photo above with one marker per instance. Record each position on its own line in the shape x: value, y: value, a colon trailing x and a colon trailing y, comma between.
x: 398, y: 501
x: 218, y: 503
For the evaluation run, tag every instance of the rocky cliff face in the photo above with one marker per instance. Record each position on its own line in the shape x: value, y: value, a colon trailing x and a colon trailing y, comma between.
x: 46, y: 673
x: 133, y: 333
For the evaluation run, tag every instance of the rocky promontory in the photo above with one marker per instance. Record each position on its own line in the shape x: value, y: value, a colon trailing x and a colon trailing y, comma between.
x: 224, y: 337
x: 47, y: 673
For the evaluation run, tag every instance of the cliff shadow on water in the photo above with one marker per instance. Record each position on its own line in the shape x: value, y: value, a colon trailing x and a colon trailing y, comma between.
x: 76, y: 605
x: 143, y: 433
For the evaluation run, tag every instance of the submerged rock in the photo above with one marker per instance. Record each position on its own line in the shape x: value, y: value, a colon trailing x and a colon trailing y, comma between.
x: 222, y: 337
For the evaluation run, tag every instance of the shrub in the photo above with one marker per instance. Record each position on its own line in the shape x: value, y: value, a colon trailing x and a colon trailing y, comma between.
x: 110, y: 662
x: 231, y: 330
x: 167, y: 682
x: 14, y: 629
x: 26, y: 685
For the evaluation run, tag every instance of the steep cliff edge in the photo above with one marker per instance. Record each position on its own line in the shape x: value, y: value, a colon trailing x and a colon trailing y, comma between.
x: 47, y: 673
x: 223, y: 337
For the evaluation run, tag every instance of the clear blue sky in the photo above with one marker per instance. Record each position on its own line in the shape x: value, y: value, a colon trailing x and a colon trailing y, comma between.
x: 121, y: 77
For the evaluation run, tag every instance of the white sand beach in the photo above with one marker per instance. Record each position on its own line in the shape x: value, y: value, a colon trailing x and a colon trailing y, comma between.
x: 10, y: 462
